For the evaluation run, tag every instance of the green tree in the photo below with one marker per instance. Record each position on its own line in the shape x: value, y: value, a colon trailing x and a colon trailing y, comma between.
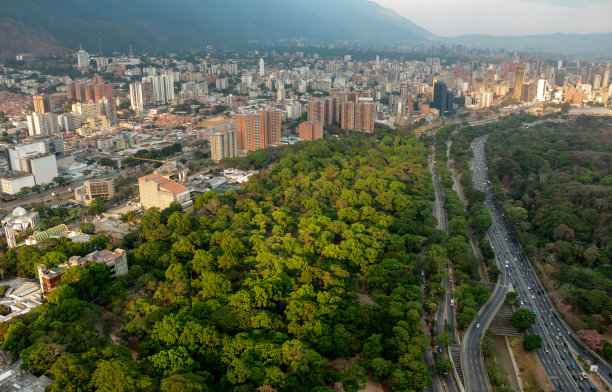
x: 523, y: 319
x: 188, y: 382
x: 87, y: 228
x: 353, y: 379
x: 532, y: 342
x: 97, y: 206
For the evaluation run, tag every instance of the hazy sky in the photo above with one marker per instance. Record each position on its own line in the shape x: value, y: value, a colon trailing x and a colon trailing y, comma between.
x: 506, y: 17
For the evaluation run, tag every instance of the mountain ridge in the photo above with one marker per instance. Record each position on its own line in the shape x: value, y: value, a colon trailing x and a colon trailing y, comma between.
x: 189, y: 24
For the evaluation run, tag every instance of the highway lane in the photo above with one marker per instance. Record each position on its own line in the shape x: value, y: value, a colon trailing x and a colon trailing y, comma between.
x: 556, y: 358
x: 445, y: 314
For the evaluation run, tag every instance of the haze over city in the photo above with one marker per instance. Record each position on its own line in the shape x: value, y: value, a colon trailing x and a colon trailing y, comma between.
x: 506, y: 17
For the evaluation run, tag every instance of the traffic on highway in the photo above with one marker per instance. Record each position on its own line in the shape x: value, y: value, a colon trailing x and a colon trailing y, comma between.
x: 559, y: 346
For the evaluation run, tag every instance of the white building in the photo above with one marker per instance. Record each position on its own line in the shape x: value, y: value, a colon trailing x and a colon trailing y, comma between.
x: 68, y: 122
x: 42, y: 124
x: 14, y: 182
x: 141, y: 95
x: 163, y: 88
x: 541, y: 91
x: 34, y: 159
x: 262, y: 67
x: 82, y: 59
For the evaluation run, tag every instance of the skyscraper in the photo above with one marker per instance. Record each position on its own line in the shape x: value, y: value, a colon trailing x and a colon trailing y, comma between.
x: 262, y: 68
x: 440, y: 97
x: 541, y: 93
x: 223, y: 144
x: 82, y: 58
x: 42, y: 104
x: 141, y: 95
x: 519, y: 79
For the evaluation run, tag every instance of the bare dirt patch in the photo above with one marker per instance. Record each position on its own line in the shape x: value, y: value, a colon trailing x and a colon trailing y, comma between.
x: 506, y: 360
x: 534, y: 378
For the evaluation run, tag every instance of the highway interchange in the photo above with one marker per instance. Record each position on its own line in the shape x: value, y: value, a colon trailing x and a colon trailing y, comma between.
x: 559, y: 345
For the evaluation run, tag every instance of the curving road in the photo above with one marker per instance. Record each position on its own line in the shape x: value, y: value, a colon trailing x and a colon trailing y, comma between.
x: 559, y: 344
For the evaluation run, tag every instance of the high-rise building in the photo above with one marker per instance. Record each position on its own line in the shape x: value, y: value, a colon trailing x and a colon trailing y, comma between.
x: 141, y: 95
x: 560, y: 77
x: 541, y: 93
x: 258, y: 129
x: 325, y: 110
x: 311, y: 130
x: 358, y: 116
x: 606, y: 78
x: 42, y: 104
x: 441, y: 99
x: 223, y: 145
x: 95, y: 91
x: 82, y: 58
x: 528, y: 92
x: 163, y: 88
x: 519, y: 80
x: 262, y: 67
x: 597, y: 82
x: 42, y: 124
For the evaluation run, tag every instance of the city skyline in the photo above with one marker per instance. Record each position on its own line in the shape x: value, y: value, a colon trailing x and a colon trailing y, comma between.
x: 451, y: 18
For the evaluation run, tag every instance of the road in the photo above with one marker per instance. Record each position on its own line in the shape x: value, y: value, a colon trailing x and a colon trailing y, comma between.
x: 517, y: 274
x: 445, y: 314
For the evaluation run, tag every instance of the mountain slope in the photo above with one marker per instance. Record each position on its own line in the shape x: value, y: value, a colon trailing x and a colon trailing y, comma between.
x: 186, y: 24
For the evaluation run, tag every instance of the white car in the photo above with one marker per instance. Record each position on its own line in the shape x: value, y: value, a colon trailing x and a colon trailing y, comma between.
x: 478, y: 325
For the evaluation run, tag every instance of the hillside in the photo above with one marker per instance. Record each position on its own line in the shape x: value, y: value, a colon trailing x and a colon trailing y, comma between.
x: 188, y: 24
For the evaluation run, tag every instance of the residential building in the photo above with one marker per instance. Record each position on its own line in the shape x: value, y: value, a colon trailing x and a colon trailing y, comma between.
x: 82, y: 59
x: 92, y: 189
x: 42, y: 124
x: 358, y: 116
x: 42, y: 104
x: 258, y: 129
x: 141, y: 96
x: 163, y: 88
x: 159, y: 191
x: 325, y: 110
x: 311, y: 130
x: 223, y: 144
x: 442, y: 100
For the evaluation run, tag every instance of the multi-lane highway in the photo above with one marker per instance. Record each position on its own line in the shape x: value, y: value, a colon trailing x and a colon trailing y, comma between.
x: 557, y: 356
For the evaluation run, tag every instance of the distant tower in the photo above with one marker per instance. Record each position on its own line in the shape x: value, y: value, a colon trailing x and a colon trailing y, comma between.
x: 519, y: 79
x: 9, y: 233
x: 82, y: 58
x: 100, y: 46
x: 131, y: 53
x: 262, y: 68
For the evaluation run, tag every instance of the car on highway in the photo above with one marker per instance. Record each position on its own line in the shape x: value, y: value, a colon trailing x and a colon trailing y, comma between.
x: 478, y: 325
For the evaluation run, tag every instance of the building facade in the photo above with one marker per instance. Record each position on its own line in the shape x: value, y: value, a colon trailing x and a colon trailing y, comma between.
x: 358, y: 116
x: 92, y: 189
x: 223, y: 144
x: 311, y: 130
x: 141, y: 96
x: 157, y: 190
x: 258, y: 129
